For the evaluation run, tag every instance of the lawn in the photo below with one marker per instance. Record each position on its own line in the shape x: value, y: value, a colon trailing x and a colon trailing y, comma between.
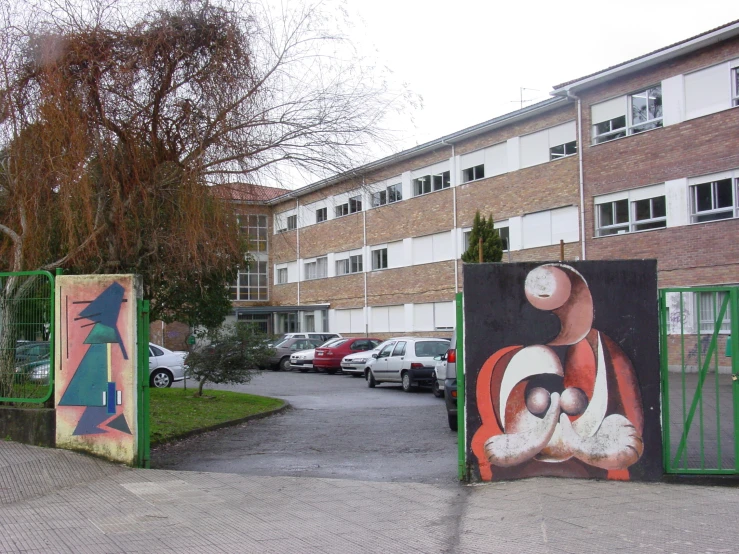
x: 175, y: 412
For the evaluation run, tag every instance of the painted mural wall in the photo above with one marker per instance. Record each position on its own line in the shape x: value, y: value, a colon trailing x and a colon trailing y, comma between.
x: 96, y: 364
x: 562, y: 366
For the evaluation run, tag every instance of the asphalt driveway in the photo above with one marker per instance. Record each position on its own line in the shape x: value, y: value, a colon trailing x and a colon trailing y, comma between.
x: 337, y: 427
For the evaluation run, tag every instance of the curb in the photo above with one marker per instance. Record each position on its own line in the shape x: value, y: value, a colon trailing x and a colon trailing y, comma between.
x: 231, y: 423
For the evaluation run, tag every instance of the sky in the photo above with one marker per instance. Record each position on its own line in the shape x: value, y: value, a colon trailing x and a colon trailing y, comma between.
x: 469, y: 60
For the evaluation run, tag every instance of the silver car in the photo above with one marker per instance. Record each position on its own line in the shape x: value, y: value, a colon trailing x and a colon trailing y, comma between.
x: 358, y: 362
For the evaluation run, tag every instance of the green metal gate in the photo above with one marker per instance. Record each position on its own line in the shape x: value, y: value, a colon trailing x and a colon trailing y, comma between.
x: 142, y: 326
x: 700, y: 413
x: 26, y: 336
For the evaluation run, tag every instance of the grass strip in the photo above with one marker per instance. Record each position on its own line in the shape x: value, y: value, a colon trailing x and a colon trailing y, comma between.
x: 176, y: 412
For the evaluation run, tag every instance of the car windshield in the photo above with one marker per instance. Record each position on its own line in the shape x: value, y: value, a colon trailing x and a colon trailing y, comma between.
x: 332, y: 342
x: 431, y: 348
x: 280, y: 342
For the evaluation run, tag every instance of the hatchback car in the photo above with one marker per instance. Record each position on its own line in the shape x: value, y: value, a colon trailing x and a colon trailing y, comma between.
x: 303, y: 360
x: 408, y: 361
x: 357, y: 363
x: 165, y: 366
x: 280, y: 359
x: 328, y: 358
x: 323, y: 337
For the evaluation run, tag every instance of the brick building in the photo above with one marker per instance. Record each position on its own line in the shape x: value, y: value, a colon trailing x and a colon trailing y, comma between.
x: 640, y: 160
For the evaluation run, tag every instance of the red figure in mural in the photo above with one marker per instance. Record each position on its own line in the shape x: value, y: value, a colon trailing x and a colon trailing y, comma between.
x: 585, y: 416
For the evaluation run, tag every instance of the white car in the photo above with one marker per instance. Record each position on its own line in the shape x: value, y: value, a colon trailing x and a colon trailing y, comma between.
x: 358, y: 362
x: 165, y: 366
x: 303, y: 360
x: 407, y: 360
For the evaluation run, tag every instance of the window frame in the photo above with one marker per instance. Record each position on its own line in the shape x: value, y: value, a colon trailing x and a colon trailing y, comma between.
x: 353, y: 264
x: 355, y: 204
x: 321, y: 215
x: 693, y: 201
x: 379, y: 259
x: 632, y: 224
x: 705, y: 325
x: 254, y: 226
x: 282, y: 271
x: 572, y: 145
x: 341, y: 210
x: 317, y: 269
x: 445, y: 178
x: 735, y: 87
x: 630, y: 128
x: 261, y: 292
x: 292, y: 222
x: 390, y: 195
x: 473, y: 173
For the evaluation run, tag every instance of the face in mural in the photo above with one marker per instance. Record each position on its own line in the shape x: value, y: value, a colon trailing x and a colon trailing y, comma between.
x: 537, y: 406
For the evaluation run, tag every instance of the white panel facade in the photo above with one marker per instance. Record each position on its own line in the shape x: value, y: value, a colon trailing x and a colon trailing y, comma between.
x: 343, y: 320
x: 423, y: 252
x: 707, y: 91
x: 442, y: 246
x: 395, y: 254
x: 537, y: 229
x: 496, y: 160
x: 357, y: 321
x: 471, y: 160
x: 280, y: 219
x: 396, y: 319
x: 292, y: 272
x: 513, y: 161
x: 676, y: 202
x: 565, y: 225
x: 610, y: 109
x: 562, y: 134
x: 534, y: 149
x: 379, y: 319
x: 423, y: 317
x: 515, y: 233
x: 430, y: 170
x: 444, y: 317
x: 673, y: 100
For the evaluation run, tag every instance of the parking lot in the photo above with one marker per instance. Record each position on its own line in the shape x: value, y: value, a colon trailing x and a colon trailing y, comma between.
x: 337, y: 427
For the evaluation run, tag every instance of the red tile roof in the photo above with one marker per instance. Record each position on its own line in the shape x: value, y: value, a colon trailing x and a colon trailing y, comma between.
x: 246, y: 192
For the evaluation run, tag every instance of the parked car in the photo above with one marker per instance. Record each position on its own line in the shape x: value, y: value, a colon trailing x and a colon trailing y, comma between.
x: 303, y: 360
x: 408, y: 360
x: 323, y: 337
x: 437, y: 387
x: 165, y: 366
x: 356, y: 364
x: 450, y: 382
x: 36, y: 371
x: 280, y: 359
x: 328, y: 358
x: 31, y: 351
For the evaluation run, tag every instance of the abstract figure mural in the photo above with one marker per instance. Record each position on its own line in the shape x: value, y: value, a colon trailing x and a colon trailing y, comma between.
x: 571, y: 406
x: 95, y: 370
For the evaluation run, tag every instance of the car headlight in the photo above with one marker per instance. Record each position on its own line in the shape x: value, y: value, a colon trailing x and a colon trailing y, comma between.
x: 359, y: 360
x: 40, y: 372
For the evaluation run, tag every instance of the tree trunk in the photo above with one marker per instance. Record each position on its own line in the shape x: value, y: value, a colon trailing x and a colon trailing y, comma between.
x: 200, y: 387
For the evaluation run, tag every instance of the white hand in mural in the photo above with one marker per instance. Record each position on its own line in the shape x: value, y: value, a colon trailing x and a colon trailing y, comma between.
x: 532, y: 435
x: 615, y: 445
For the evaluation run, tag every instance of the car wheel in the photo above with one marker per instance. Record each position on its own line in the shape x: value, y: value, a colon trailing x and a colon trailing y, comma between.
x: 330, y: 371
x: 303, y: 370
x: 438, y: 393
x: 452, y: 421
x: 407, y: 385
x: 160, y: 379
x: 285, y: 364
x: 356, y: 374
x: 371, y: 383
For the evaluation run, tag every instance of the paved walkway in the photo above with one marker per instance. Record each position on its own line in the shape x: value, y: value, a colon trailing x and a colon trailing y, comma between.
x: 57, y: 501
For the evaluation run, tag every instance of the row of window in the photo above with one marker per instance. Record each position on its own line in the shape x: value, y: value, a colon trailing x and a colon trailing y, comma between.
x: 644, y: 111
x: 708, y: 201
x: 251, y: 283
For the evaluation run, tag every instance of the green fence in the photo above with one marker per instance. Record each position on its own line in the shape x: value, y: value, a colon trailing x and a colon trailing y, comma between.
x: 142, y: 326
x: 26, y: 336
x: 698, y: 333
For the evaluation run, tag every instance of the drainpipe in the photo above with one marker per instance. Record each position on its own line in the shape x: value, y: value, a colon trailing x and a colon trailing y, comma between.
x: 579, y: 160
x: 454, y: 215
x: 297, y: 246
x: 364, y: 249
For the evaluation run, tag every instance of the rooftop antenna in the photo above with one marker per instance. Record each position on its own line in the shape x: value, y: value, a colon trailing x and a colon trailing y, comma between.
x: 520, y: 100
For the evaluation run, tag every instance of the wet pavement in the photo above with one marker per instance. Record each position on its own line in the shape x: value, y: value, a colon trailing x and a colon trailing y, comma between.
x: 337, y: 428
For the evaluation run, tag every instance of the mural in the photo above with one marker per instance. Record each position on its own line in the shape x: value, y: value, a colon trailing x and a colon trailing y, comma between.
x: 96, y: 365
x: 569, y: 403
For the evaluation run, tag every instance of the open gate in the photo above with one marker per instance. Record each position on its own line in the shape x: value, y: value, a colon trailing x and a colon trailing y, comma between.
x: 700, y: 415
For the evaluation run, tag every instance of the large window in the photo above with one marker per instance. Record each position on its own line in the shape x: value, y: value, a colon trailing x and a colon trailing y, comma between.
x: 632, y: 114
x: 391, y: 194
x: 709, y: 307
x: 379, y: 259
x: 255, y: 228
x: 352, y: 264
x: 713, y: 200
x: 473, y: 173
x: 634, y: 212
x: 317, y: 269
x: 321, y: 215
x: 431, y: 183
x: 251, y: 284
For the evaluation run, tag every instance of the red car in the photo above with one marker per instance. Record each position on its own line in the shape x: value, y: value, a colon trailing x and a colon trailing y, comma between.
x: 329, y: 359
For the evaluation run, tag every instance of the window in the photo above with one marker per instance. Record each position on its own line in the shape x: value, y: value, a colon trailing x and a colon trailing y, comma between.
x: 567, y: 149
x: 712, y: 201
x: 504, y: 237
x: 636, y: 210
x: 430, y: 183
x: 317, y: 269
x: 292, y: 222
x: 355, y: 204
x: 646, y: 110
x: 399, y: 349
x: 251, y: 284
x: 735, y: 92
x: 353, y: 264
x: 385, y: 352
x: 650, y: 213
x: 282, y: 276
x: 473, y: 173
x: 379, y: 259
x: 504, y: 233
x: 613, y: 217
x: 709, y: 307
x: 310, y: 323
x: 611, y: 129
x: 254, y: 227
x: 342, y: 210
x: 391, y: 194
x: 321, y: 215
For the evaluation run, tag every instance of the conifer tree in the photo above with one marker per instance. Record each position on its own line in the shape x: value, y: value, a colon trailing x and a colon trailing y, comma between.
x: 492, y: 246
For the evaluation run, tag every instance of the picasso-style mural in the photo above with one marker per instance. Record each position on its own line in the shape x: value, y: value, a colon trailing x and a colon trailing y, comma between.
x: 561, y: 390
x: 95, y: 370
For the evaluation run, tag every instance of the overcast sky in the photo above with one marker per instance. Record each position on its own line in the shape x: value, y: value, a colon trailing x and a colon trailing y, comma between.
x: 469, y: 59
